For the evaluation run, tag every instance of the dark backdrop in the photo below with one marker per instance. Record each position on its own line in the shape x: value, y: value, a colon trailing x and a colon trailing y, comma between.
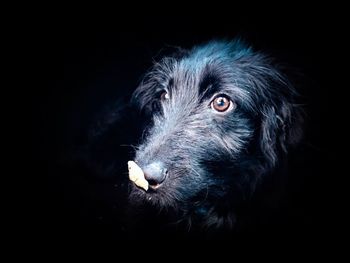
x: 88, y: 65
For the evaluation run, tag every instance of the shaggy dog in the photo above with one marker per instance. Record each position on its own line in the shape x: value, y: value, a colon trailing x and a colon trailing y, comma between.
x: 217, y: 126
x: 223, y: 120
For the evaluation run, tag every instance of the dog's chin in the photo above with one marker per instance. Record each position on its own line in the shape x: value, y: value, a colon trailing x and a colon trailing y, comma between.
x: 161, y: 197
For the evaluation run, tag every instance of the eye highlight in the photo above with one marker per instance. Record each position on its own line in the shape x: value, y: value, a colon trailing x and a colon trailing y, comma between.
x: 221, y: 103
x: 164, y: 95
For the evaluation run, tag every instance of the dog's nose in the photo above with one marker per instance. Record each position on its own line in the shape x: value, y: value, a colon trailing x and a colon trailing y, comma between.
x: 155, y: 173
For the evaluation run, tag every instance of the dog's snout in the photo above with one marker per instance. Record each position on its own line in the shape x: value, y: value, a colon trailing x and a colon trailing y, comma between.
x: 155, y: 173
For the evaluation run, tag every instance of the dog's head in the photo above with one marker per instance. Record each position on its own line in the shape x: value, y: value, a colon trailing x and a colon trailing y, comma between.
x: 222, y: 118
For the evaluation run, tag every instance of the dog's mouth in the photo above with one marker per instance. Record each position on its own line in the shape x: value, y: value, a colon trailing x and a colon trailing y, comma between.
x: 154, y: 185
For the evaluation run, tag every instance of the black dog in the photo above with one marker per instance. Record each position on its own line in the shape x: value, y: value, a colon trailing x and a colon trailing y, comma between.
x: 215, y: 134
x: 223, y: 121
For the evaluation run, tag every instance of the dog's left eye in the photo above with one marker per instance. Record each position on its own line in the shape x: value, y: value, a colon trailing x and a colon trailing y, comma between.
x: 164, y: 95
x: 221, y: 103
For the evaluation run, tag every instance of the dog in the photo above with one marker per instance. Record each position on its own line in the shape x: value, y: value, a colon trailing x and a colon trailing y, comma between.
x: 223, y: 119
x: 213, y: 129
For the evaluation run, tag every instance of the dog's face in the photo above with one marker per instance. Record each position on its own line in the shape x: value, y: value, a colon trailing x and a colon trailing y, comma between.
x: 221, y: 117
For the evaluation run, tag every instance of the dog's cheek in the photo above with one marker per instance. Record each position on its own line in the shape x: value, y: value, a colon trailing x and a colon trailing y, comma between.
x: 229, y: 143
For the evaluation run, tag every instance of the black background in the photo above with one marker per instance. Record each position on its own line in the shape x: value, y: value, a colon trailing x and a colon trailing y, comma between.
x: 89, y: 62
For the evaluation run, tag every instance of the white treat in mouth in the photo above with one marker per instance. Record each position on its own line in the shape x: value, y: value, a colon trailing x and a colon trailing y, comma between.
x: 137, y: 176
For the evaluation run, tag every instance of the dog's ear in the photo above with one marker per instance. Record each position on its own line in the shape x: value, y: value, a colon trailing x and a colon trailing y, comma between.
x: 156, y: 79
x: 281, y: 129
x: 143, y: 96
x: 147, y: 94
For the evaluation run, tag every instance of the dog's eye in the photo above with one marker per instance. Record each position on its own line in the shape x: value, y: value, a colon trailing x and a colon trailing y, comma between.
x: 221, y: 103
x: 164, y: 95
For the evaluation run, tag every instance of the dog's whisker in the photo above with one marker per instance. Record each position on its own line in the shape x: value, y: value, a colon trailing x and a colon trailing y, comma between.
x: 193, y: 170
x: 130, y: 145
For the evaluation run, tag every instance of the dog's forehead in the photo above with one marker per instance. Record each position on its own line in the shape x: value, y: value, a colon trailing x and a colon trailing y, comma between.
x: 196, y: 76
x: 215, y: 59
x: 198, y: 64
x: 188, y: 74
x: 206, y: 71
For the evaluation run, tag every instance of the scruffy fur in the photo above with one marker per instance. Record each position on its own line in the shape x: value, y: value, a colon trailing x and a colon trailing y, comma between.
x: 217, y: 162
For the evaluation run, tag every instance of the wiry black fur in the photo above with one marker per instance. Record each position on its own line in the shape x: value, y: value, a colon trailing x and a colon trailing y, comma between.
x: 216, y: 162
x: 224, y: 168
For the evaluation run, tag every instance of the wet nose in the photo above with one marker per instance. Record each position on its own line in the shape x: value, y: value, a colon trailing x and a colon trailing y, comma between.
x: 155, y: 173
